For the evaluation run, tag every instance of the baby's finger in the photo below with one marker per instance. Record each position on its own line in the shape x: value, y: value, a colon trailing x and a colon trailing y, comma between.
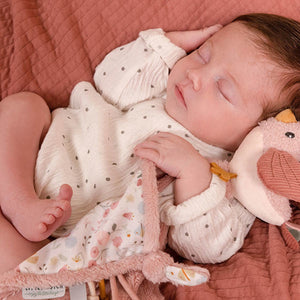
x: 163, y: 138
x: 205, y: 33
x: 153, y: 143
x: 210, y: 30
x: 147, y: 153
x: 163, y: 134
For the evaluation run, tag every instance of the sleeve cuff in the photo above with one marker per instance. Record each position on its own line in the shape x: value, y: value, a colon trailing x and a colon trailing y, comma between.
x: 169, y: 52
x: 195, y: 206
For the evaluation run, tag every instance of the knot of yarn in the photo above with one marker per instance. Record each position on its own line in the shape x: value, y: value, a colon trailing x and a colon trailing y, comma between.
x: 154, y: 266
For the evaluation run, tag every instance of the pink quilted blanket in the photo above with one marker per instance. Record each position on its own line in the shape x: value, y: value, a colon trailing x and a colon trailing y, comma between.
x: 48, y: 46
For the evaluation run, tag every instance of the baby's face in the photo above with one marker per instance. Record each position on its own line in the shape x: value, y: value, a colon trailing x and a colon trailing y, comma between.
x: 219, y: 91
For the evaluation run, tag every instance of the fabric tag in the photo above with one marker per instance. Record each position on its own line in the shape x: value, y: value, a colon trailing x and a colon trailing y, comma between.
x: 38, y: 293
x: 78, y: 292
x: 185, y: 276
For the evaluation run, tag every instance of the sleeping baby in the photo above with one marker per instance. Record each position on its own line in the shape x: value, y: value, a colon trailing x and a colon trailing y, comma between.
x: 152, y: 100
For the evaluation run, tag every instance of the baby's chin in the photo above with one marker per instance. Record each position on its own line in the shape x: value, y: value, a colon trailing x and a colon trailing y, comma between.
x: 168, y: 109
x: 172, y: 113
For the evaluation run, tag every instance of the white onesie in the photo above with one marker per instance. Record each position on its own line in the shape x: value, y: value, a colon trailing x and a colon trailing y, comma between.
x: 90, y: 147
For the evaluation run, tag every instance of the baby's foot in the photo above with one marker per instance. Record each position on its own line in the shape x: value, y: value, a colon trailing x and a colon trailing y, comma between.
x: 40, y: 218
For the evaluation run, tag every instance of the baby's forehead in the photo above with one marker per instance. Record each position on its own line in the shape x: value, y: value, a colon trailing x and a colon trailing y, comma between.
x: 234, y: 30
x: 236, y: 37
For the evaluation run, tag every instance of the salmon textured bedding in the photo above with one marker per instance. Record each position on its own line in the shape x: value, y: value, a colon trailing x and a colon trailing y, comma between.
x: 49, y: 46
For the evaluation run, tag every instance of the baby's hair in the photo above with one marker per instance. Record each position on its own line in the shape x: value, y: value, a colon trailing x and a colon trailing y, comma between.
x: 279, y: 38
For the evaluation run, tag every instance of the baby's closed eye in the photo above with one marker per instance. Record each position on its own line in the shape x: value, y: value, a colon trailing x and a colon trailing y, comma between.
x: 204, y: 54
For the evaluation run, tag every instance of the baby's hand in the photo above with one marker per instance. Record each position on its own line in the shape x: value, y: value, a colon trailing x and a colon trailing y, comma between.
x: 169, y: 152
x: 178, y: 158
x: 192, y: 39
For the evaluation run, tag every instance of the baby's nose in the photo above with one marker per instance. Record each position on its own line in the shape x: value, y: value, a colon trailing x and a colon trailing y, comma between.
x: 194, y: 76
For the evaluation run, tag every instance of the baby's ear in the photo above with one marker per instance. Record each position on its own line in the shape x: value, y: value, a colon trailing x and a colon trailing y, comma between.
x: 187, y: 275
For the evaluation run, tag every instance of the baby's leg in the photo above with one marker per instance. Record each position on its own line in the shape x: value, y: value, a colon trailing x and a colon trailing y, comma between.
x: 14, y: 248
x: 24, y: 121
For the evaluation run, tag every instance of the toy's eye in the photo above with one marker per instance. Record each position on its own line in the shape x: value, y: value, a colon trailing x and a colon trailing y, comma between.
x: 290, y: 135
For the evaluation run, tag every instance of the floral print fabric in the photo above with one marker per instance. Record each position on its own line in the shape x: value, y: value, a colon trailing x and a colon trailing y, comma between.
x: 111, y: 231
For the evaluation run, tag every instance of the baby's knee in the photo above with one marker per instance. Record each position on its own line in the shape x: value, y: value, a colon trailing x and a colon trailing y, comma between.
x: 24, y: 99
x: 26, y: 102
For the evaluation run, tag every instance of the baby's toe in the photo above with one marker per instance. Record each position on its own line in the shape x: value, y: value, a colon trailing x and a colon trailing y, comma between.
x: 64, y: 204
x: 48, y: 219
x: 42, y: 227
x: 57, y: 212
x: 65, y: 192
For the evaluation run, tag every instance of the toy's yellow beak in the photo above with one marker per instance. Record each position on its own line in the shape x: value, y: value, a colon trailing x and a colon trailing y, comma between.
x: 286, y: 116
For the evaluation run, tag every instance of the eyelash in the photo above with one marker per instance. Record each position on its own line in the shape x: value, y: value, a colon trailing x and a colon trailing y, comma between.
x: 217, y: 81
x: 201, y: 57
x: 220, y: 90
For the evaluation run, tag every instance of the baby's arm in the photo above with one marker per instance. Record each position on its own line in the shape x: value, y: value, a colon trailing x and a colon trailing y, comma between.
x: 178, y: 158
x: 192, y: 39
x: 139, y: 70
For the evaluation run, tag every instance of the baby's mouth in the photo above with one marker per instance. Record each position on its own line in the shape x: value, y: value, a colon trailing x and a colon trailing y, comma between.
x: 179, y: 94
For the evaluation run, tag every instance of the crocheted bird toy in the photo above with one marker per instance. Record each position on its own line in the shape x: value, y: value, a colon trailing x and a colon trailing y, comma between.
x: 268, y: 169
